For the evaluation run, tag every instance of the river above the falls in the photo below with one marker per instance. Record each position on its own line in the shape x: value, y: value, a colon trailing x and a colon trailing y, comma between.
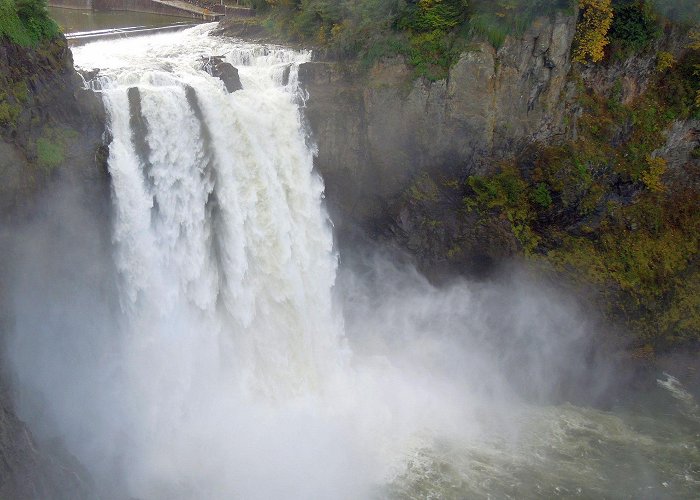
x: 83, y: 20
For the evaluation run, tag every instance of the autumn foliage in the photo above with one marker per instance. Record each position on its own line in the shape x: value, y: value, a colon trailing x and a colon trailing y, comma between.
x: 592, y: 30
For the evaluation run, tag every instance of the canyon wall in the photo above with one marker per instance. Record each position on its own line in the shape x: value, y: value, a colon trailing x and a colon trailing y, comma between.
x: 51, y: 143
x: 376, y: 130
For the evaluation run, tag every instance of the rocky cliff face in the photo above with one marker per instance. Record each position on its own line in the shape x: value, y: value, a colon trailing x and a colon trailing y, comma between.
x: 50, y: 137
x: 376, y: 131
x: 587, y: 173
x: 49, y: 126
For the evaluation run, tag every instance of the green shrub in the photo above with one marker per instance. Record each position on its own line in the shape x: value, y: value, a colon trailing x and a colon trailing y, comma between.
x: 541, y: 195
x: 26, y: 22
x: 430, y: 55
x: 51, y: 147
x: 8, y: 113
x: 9, y: 110
x: 10, y: 24
x: 651, y: 176
x: 664, y: 61
x: 679, y: 86
x: 505, y: 195
x: 433, y: 15
x: 635, y: 26
x: 20, y: 91
x: 488, y: 27
x: 429, y: 33
x: 493, y: 20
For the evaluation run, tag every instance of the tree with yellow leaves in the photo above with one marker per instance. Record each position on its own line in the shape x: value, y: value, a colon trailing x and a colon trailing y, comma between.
x: 592, y: 30
x: 651, y: 177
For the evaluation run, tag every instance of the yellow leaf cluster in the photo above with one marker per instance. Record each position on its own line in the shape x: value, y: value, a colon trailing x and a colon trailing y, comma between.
x: 336, y: 31
x: 651, y: 177
x: 664, y: 61
x: 694, y: 36
x: 592, y: 30
x: 321, y: 36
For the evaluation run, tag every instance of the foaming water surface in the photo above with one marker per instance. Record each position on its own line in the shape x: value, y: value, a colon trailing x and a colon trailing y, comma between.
x: 241, y: 366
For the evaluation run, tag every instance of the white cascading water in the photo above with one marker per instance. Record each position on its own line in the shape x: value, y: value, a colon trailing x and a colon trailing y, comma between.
x: 224, y: 251
x: 220, y: 234
x: 232, y: 378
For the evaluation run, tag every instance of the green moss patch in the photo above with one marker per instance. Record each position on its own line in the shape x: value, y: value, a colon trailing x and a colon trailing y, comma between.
x: 52, y: 146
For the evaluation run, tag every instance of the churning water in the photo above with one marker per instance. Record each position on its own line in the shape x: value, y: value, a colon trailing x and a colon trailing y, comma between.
x: 239, y: 368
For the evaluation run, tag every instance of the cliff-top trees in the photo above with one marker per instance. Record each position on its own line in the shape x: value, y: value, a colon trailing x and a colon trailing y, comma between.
x: 26, y: 22
x: 635, y: 26
x: 592, y: 30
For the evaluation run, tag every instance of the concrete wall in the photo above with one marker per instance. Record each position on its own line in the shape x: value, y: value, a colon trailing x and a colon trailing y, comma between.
x: 71, y: 4
x: 146, y: 6
x: 239, y: 12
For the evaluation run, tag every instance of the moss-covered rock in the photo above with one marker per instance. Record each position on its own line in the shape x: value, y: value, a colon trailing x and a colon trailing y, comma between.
x: 46, y: 118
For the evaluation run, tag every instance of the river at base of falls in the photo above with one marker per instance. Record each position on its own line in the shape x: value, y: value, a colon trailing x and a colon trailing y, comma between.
x: 242, y: 368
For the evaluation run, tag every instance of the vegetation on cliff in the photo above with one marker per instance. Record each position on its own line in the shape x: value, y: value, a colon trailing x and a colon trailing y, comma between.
x: 628, y: 26
x: 592, y: 30
x: 26, y: 22
x: 607, y: 203
x: 429, y: 34
x: 42, y: 108
x: 603, y: 207
x: 603, y: 201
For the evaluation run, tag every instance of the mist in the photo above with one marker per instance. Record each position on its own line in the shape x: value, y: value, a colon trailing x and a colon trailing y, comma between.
x: 424, y: 364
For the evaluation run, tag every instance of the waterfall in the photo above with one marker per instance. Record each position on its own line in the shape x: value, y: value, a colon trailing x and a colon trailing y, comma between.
x: 225, y: 263
x: 220, y: 235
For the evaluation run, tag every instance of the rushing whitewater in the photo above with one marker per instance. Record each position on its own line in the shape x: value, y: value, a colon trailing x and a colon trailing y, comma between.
x: 232, y: 355
x: 220, y: 235
x: 234, y: 363
x: 225, y: 255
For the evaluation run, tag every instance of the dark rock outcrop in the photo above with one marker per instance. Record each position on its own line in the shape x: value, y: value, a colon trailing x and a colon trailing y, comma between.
x: 682, y: 154
x: 27, y: 471
x: 226, y: 72
x: 54, y: 127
